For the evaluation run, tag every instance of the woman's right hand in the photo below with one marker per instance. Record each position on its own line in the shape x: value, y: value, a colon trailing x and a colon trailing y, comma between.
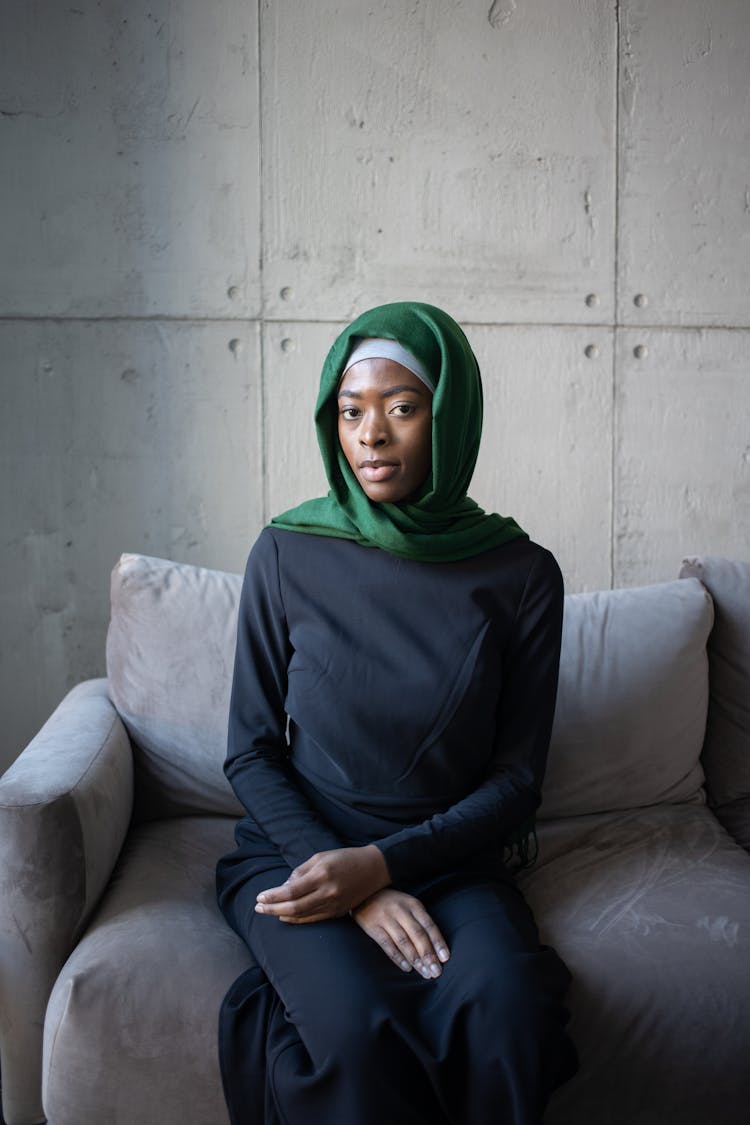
x: 404, y: 931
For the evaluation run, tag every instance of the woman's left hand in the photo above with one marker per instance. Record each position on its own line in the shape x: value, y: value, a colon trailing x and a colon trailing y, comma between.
x: 327, y: 885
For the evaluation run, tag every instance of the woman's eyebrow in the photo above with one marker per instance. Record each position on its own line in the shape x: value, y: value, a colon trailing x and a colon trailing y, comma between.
x: 386, y: 393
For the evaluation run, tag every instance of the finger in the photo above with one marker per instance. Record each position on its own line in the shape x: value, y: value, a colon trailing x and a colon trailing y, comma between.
x: 291, y: 908
x: 317, y: 903
x: 438, y: 942
x: 291, y: 920
x: 411, y: 938
x: 270, y: 894
x: 402, y: 939
x: 428, y: 962
x: 292, y: 889
x: 383, y: 939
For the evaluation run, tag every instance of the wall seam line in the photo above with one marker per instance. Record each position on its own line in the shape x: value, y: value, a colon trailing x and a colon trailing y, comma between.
x: 265, y: 490
x: 9, y: 318
x: 616, y: 288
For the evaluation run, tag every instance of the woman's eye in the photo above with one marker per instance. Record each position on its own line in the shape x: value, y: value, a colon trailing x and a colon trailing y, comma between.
x: 349, y: 412
x: 404, y: 409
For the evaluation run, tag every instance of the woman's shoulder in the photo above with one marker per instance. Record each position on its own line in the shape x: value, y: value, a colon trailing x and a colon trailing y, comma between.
x: 271, y: 538
x: 522, y: 557
x: 283, y: 549
x: 263, y: 557
x: 544, y: 574
x: 264, y: 547
x: 542, y: 563
x: 522, y: 573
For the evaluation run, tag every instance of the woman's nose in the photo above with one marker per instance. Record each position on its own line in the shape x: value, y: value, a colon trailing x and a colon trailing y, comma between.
x: 374, y: 431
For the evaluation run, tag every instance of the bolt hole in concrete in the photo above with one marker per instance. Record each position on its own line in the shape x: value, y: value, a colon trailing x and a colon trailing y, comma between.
x: 286, y: 293
x: 235, y: 347
x: 640, y: 300
x: 287, y: 345
x: 591, y: 351
x: 592, y: 300
x: 640, y: 351
x: 233, y: 292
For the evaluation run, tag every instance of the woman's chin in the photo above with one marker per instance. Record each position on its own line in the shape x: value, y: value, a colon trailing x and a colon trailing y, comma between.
x: 383, y: 494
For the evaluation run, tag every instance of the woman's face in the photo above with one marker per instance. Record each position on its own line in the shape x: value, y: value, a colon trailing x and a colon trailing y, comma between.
x: 385, y: 428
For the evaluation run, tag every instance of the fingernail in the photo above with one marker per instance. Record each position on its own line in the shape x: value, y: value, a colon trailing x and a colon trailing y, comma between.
x: 443, y: 954
x: 259, y: 908
x: 405, y: 966
x: 261, y: 897
x: 418, y: 964
x: 435, y: 970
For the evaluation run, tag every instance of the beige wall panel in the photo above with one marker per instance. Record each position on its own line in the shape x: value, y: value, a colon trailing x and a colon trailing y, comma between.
x: 682, y: 482
x: 546, y: 450
x: 129, y: 158
x: 684, y: 207
x: 293, y: 355
x: 141, y: 437
x: 449, y: 151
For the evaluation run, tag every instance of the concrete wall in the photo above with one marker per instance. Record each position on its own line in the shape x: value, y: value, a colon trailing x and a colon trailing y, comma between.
x: 194, y: 197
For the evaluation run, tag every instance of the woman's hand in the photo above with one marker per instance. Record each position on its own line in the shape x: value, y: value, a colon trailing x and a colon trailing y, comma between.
x: 404, y: 931
x: 327, y: 885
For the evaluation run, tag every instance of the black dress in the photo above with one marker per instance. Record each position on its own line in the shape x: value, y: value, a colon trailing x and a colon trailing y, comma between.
x: 406, y: 704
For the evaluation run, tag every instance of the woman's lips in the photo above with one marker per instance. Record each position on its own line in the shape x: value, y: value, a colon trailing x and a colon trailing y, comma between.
x: 378, y: 470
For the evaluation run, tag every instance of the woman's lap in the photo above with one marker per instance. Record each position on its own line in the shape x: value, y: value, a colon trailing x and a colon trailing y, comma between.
x: 498, y: 1004
x: 327, y: 973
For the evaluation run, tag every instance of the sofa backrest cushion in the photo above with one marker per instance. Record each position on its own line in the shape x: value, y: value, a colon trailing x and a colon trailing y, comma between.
x: 170, y: 654
x: 726, y: 754
x: 632, y: 701
x: 628, y: 727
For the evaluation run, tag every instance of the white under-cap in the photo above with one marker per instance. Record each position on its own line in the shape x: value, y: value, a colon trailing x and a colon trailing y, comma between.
x: 373, y: 348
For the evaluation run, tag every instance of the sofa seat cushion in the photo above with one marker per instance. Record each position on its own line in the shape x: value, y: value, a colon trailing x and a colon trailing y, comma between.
x: 131, y: 1027
x: 632, y: 700
x: 651, y: 911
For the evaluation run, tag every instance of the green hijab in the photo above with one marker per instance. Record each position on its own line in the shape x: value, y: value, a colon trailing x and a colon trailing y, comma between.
x: 440, y: 523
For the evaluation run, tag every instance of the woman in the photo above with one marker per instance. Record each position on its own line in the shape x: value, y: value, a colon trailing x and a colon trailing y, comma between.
x: 393, y: 694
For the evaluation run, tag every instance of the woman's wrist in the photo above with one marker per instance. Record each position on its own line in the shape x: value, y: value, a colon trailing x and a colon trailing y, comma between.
x: 380, y: 874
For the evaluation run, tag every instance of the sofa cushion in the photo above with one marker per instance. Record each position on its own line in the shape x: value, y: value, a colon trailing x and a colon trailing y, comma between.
x: 650, y: 911
x: 632, y: 700
x: 628, y: 727
x: 170, y: 655
x: 131, y: 1028
x: 726, y: 754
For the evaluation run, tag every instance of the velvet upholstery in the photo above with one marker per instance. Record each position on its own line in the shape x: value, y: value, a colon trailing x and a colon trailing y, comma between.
x: 726, y: 754
x: 632, y: 700
x: 131, y: 1024
x: 637, y: 885
x: 65, y: 805
x: 170, y: 654
x: 650, y: 909
x: 639, y: 652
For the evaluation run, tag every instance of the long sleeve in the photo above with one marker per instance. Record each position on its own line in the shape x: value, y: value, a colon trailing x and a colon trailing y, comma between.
x: 511, y: 791
x: 257, y: 754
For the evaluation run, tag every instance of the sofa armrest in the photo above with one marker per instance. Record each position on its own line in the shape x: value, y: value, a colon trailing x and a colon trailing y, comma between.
x: 65, y: 806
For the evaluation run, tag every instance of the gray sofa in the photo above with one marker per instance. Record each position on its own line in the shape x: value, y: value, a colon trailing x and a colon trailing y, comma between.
x: 114, y: 957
